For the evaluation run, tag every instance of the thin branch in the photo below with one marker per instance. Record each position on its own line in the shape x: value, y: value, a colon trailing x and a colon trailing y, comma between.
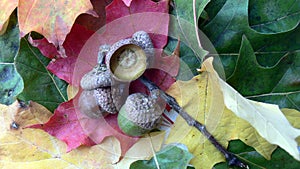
x: 230, y: 157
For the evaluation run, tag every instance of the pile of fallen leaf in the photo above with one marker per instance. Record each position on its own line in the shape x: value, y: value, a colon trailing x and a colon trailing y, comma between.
x: 48, y: 46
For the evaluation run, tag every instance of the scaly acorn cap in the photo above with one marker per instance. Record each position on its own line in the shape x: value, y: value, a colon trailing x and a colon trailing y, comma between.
x: 104, y: 99
x: 96, y: 98
x: 99, y: 76
x: 127, y: 59
x: 140, y: 114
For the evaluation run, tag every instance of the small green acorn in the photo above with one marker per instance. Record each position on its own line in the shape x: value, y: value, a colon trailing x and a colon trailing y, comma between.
x: 140, y: 114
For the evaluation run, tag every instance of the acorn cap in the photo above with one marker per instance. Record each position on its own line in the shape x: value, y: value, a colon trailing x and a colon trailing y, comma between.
x: 126, y: 61
x: 104, y: 99
x: 99, y: 76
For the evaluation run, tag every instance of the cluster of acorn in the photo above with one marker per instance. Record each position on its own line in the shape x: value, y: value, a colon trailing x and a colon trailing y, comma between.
x: 105, y: 87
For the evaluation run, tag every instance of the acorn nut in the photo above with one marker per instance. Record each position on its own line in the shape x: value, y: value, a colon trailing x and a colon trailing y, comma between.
x: 127, y: 59
x: 96, y: 99
x: 140, y: 114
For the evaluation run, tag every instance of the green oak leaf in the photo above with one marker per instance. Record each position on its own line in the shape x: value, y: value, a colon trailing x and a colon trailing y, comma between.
x: 11, y: 83
x: 173, y: 156
x: 273, y: 56
x: 278, y: 84
x: 227, y: 26
x: 39, y: 84
x: 271, y: 17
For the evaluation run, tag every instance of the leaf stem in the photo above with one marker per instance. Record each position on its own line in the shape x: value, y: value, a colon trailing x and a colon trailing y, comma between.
x: 230, y: 157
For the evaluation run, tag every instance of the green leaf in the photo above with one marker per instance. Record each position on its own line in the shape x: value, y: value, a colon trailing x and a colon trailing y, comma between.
x: 280, y: 159
x: 271, y: 17
x: 278, y: 84
x: 184, y: 23
x: 227, y: 27
x: 39, y: 84
x: 271, y: 61
x: 171, y: 157
x: 11, y: 83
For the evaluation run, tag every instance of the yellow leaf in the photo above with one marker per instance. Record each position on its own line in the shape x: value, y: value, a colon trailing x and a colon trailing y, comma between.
x: 34, y: 148
x: 203, y: 98
x: 52, y: 19
x: 267, y: 119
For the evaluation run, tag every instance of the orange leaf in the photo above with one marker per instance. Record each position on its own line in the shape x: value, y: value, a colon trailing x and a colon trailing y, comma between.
x: 6, y: 7
x: 53, y: 19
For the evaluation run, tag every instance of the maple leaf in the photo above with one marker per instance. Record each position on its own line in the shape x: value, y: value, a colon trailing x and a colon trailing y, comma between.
x: 91, y: 22
x: 52, y: 19
x: 64, y: 67
x: 65, y: 126
x: 208, y: 99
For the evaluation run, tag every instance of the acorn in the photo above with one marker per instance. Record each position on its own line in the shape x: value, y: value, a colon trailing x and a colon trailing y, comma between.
x: 140, y: 114
x: 96, y: 100
x: 127, y: 59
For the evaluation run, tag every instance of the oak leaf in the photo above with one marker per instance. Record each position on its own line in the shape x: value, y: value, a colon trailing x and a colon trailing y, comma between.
x: 206, y: 98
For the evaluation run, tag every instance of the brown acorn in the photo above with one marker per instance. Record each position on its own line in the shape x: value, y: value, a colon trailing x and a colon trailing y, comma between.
x: 96, y: 99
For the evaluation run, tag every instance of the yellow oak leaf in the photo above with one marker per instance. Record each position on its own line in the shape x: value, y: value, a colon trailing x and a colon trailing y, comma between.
x: 7, y: 7
x: 33, y: 148
x: 267, y: 119
x: 203, y: 98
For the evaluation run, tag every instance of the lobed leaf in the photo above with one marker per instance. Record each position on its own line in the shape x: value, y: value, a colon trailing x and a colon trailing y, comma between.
x: 55, y: 22
x: 276, y: 84
x: 269, y: 52
x: 267, y: 119
x: 206, y: 99
x: 65, y: 126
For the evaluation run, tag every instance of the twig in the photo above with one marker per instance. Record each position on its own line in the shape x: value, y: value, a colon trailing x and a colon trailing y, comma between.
x: 230, y: 157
